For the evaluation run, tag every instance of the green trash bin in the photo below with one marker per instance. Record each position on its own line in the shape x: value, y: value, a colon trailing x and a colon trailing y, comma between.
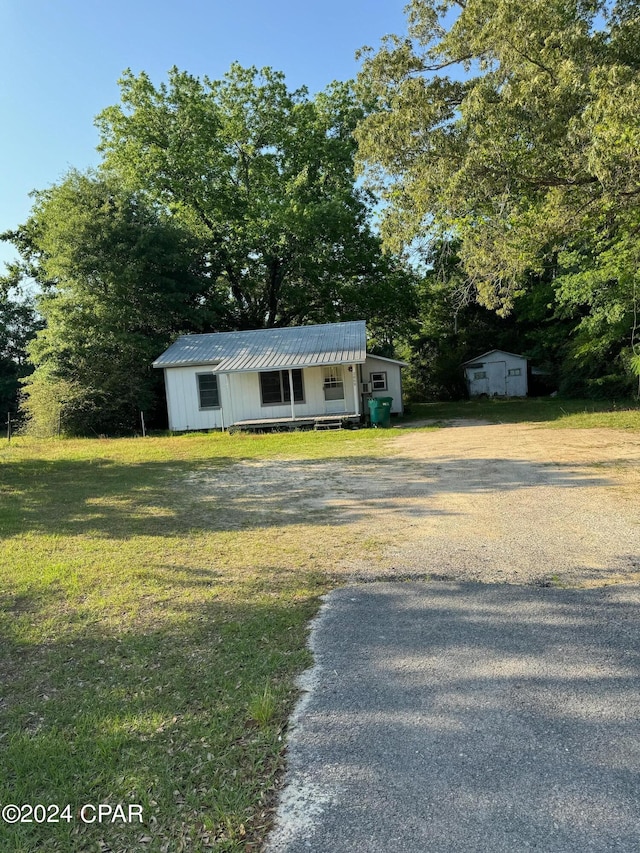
x: 380, y: 411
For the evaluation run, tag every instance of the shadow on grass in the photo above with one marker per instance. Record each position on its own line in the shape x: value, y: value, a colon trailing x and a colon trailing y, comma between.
x: 122, y: 501
x: 156, y: 717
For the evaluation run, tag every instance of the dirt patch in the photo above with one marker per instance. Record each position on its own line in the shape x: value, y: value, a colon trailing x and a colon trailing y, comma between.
x: 524, y: 503
x: 514, y: 503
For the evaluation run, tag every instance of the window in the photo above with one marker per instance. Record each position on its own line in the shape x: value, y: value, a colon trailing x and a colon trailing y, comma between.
x: 481, y: 374
x: 332, y: 383
x: 274, y: 387
x: 515, y: 371
x: 208, y: 390
x: 378, y: 381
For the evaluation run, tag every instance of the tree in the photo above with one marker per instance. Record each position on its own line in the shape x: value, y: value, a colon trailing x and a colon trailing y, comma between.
x: 118, y: 281
x: 265, y: 178
x: 18, y: 325
x: 452, y: 327
x: 218, y: 206
x: 514, y: 127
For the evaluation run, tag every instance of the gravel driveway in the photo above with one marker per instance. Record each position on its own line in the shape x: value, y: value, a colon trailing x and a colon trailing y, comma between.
x: 514, y: 503
x: 446, y: 715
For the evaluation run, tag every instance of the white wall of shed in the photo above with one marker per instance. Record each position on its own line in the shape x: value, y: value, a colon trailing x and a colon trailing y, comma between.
x: 394, y: 380
x: 511, y: 386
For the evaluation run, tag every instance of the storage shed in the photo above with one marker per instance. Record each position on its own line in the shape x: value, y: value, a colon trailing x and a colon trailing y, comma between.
x: 295, y: 376
x: 496, y: 374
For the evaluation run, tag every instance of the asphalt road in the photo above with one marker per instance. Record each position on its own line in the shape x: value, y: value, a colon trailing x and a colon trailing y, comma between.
x: 467, y: 717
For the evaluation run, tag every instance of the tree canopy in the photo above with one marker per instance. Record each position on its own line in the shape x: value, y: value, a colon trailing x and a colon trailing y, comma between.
x: 18, y: 325
x: 265, y: 177
x: 514, y: 127
x: 118, y: 280
x: 218, y: 205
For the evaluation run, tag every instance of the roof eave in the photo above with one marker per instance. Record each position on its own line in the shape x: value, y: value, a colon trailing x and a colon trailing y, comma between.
x: 303, y: 365
x: 488, y: 352
x: 162, y: 364
x: 390, y: 360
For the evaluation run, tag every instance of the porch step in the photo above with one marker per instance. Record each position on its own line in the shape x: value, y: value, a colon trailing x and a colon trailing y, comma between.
x: 328, y: 424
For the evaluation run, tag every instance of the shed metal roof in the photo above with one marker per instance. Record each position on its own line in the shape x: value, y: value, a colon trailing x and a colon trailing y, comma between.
x: 270, y: 349
x: 490, y: 352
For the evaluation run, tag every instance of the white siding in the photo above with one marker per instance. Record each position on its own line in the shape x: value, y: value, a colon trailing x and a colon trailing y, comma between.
x: 183, y: 403
x: 241, y: 401
x: 246, y: 402
x: 394, y: 380
x: 505, y: 374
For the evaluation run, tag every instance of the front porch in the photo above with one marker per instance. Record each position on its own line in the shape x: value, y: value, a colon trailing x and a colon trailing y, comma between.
x: 281, y: 424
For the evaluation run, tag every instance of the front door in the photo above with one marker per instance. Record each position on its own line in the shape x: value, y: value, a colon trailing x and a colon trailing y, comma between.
x: 333, y: 387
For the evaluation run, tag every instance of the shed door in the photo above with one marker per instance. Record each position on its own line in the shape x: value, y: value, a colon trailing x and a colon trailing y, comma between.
x: 497, y: 374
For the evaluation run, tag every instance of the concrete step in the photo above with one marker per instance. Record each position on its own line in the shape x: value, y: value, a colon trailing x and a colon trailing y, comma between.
x: 333, y: 424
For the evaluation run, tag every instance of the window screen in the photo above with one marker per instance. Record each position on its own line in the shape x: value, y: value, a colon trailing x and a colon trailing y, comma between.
x: 208, y: 391
x: 379, y: 381
x: 274, y: 387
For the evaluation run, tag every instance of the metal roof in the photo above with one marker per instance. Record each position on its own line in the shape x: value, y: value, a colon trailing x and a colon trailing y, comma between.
x: 390, y: 360
x: 270, y: 349
x: 490, y: 352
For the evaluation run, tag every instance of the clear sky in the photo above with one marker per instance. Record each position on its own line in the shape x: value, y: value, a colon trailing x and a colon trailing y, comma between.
x: 61, y: 59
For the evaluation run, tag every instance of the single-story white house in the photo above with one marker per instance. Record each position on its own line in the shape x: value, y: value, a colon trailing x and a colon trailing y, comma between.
x: 295, y: 376
x: 497, y: 374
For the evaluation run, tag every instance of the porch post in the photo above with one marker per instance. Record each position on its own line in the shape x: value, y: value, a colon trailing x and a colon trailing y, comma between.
x: 293, y: 408
x: 230, y: 413
x: 356, y: 390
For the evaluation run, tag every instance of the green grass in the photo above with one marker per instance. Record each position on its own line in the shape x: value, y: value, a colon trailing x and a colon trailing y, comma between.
x: 148, y: 651
x: 552, y: 412
x: 262, y: 707
x: 151, y: 632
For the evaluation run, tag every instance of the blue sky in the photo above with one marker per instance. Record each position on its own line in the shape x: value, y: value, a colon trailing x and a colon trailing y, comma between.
x: 61, y: 60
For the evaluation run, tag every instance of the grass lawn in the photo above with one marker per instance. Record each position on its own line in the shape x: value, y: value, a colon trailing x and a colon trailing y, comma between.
x: 552, y: 412
x: 150, y: 637
x: 148, y: 651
